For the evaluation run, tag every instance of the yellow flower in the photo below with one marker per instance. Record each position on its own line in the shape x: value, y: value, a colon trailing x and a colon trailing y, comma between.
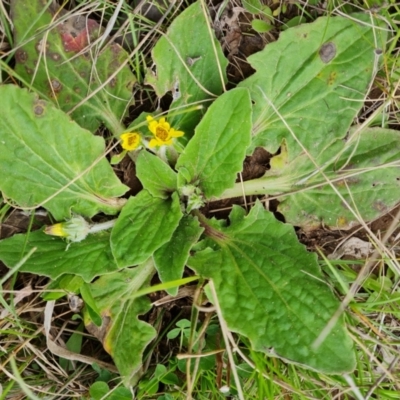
x: 130, y: 141
x: 162, y: 131
x: 56, y: 230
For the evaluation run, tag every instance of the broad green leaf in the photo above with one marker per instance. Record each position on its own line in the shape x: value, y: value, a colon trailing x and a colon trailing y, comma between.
x: 313, y: 80
x: 271, y: 290
x: 156, y: 176
x: 365, y: 171
x: 123, y: 335
x: 144, y: 225
x: 100, y: 391
x: 216, y: 152
x: 193, y: 70
x: 65, y: 283
x: 90, y: 304
x: 253, y: 6
x: 261, y: 26
x: 295, y: 21
x: 87, y: 259
x: 58, y: 63
x: 42, y: 151
x: 362, y: 171
x: 170, y: 259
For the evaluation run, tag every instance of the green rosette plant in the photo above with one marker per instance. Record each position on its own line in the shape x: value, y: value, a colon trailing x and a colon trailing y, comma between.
x: 299, y: 105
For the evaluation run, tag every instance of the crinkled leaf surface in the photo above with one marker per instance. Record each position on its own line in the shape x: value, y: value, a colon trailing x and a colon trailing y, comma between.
x: 144, y: 225
x: 56, y: 65
x: 155, y: 175
x: 363, y: 171
x: 271, y: 290
x: 187, y: 65
x: 87, y: 259
x: 123, y: 335
x: 170, y: 259
x: 42, y: 151
x: 216, y: 152
x: 366, y: 174
x: 315, y: 76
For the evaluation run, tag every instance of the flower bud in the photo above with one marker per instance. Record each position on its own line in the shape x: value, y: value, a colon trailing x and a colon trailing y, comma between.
x: 74, y: 230
x: 194, y: 196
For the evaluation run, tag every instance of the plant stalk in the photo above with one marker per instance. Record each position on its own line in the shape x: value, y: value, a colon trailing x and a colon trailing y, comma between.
x: 103, y: 226
x: 271, y: 185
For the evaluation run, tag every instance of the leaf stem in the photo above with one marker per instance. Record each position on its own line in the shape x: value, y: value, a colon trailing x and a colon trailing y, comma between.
x: 271, y: 185
x: 113, y: 124
x: 146, y: 270
x: 166, y: 285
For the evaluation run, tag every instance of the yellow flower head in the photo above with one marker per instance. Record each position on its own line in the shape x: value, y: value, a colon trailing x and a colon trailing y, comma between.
x: 130, y: 141
x: 162, y: 131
